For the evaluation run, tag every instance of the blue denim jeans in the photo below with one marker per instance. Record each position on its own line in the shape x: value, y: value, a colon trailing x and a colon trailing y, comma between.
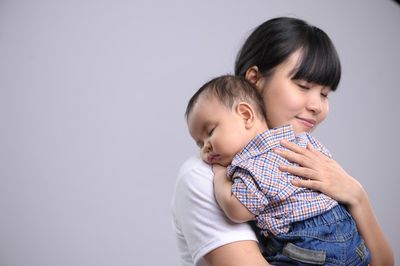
x: 328, y: 239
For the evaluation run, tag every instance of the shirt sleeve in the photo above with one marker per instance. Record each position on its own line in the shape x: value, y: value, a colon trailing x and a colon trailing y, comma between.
x: 247, y: 191
x: 318, y: 145
x: 200, y: 225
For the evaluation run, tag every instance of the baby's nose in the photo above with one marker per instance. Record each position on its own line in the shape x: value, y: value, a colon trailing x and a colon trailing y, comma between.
x: 207, y: 147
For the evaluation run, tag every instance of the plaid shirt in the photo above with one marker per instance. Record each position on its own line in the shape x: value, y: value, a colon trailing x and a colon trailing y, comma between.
x: 267, y: 192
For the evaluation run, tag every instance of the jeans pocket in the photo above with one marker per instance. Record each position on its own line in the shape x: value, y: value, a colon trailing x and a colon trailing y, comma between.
x: 364, y: 254
x: 296, y: 253
x: 361, y: 256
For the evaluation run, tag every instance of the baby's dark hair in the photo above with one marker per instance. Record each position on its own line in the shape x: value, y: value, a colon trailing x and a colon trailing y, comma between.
x: 230, y: 89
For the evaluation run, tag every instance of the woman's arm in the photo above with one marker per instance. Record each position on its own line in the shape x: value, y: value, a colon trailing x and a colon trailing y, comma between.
x: 372, y: 233
x: 202, y: 230
x: 232, y: 207
x: 326, y: 175
x: 241, y: 253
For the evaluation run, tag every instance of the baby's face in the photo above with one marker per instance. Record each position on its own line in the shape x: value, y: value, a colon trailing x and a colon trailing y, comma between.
x: 218, y: 130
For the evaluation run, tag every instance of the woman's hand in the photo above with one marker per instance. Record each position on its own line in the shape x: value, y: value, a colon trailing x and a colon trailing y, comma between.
x: 327, y: 176
x: 320, y: 173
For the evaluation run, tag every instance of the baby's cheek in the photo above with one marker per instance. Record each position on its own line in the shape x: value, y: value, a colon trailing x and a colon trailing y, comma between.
x: 203, y: 156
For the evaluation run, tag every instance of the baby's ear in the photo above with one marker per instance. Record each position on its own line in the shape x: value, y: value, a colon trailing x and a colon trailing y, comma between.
x: 246, y: 112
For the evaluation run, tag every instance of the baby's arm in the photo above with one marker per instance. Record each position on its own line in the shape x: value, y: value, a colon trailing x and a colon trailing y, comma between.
x: 232, y: 207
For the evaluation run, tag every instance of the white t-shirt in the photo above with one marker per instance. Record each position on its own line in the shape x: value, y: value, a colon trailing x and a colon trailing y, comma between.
x: 200, y: 225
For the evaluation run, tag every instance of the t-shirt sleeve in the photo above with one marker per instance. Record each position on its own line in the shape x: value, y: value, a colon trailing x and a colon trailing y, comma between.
x: 200, y: 225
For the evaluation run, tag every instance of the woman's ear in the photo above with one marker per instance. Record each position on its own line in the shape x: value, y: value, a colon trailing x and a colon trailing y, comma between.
x: 246, y: 112
x: 253, y: 75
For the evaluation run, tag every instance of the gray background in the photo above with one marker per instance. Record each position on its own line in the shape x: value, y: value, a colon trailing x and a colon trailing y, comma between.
x: 92, y: 96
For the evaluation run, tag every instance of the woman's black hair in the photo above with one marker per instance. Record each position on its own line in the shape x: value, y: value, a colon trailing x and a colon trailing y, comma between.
x: 271, y: 43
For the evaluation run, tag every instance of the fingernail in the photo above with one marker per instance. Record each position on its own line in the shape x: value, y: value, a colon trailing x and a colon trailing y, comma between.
x: 276, y: 150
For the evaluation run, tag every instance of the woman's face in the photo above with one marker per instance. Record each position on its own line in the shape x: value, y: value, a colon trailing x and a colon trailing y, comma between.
x: 297, y: 102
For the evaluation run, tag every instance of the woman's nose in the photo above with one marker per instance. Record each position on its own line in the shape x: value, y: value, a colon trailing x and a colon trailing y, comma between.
x: 314, y: 103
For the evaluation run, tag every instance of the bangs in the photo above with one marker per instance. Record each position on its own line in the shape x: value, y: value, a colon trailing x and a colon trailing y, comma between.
x: 319, y: 62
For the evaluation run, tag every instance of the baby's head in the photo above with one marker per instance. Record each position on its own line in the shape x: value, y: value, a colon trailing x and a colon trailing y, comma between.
x: 223, y: 116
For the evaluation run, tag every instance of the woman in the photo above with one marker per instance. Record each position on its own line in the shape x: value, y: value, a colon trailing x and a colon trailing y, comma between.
x: 294, y: 66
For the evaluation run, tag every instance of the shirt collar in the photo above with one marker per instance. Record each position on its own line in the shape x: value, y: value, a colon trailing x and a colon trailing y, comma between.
x: 263, y: 142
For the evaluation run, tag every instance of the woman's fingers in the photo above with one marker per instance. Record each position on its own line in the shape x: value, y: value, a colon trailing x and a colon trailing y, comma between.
x: 292, y: 146
x: 293, y: 157
x: 308, y: 157
x: 320, y: 173
x: 308, y: 152
x: 314, y: 152
x: 298, y: 171
x: 307, y: 183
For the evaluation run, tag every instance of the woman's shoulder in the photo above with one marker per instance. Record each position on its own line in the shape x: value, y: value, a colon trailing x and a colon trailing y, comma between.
x: 194, y: 168
x: 199, y: 223
x: 193, y: 188
x: 193, y: 184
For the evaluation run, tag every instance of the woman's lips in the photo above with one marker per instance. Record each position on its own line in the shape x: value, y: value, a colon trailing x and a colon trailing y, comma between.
x: 310, y: 123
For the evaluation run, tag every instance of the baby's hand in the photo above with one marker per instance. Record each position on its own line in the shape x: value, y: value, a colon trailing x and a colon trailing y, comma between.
x: 219, y: 170
x: 219, y: 173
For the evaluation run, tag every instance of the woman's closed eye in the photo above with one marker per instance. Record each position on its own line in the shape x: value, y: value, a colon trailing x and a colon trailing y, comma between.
x: 325, y: 95
x: 325, y: 92
x: 306, y: 86
x: 303, y: 86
